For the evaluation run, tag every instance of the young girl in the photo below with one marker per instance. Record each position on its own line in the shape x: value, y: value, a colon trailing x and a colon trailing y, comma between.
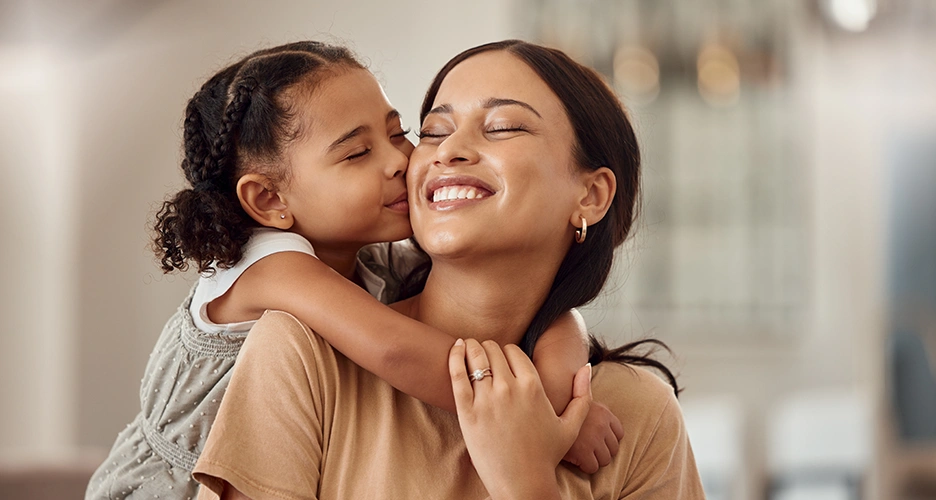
x: 296, y: 161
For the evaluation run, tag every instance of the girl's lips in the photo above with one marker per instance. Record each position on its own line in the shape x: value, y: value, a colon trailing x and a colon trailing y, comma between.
x: 400, y: 204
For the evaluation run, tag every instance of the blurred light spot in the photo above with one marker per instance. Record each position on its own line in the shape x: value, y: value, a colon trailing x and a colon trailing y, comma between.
x: 851, y: 15
x: 637, y: 73
x: 719, y: 75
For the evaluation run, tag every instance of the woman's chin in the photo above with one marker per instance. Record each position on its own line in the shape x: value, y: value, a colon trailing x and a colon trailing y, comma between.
x: 447, y: 245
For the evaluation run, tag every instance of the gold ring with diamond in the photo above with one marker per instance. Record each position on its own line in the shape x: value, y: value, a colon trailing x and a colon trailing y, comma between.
x: 480, y: 374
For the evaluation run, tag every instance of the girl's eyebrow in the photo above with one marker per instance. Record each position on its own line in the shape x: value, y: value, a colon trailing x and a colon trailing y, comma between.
x: 357, y: 131
x: 493, y: 102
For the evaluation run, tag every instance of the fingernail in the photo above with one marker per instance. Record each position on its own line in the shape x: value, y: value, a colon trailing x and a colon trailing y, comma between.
x: 459, y: 342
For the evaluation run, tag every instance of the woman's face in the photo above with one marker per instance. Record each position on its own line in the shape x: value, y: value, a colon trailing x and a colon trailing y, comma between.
x: 493, y: 170
x: 347, y: 184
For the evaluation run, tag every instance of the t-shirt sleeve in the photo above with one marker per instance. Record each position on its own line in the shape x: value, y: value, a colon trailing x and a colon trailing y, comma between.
x: 665, y: 467
x: 267, y: 438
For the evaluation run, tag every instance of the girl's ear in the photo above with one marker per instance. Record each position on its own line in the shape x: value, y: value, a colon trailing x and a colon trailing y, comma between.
x: 262, y: 202
x: 598, y: 193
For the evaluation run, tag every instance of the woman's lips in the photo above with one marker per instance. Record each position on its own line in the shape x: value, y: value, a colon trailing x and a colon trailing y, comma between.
x: 454, y: 191
x: 400, y: 204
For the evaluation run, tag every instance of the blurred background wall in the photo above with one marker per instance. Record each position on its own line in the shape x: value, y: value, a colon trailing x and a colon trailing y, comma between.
x: 786, y: 235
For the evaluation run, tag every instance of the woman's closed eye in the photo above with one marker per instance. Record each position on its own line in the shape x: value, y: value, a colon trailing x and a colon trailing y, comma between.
x: 498, y: 129
x: 432, y: 134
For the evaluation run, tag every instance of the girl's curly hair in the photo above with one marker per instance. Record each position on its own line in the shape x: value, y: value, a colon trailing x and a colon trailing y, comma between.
x: 241, y: 120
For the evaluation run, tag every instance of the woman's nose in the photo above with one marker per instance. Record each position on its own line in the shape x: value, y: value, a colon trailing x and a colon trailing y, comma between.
x: 457, y: 150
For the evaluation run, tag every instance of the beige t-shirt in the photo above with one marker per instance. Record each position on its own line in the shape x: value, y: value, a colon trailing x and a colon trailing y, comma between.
x: 301, y: 421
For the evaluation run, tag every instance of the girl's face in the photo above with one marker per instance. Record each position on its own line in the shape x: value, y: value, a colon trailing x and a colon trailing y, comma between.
x: 347, y: 186
x: 493, y: 171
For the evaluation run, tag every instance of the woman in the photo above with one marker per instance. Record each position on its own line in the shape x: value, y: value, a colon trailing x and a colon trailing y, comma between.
x: 549, y: 167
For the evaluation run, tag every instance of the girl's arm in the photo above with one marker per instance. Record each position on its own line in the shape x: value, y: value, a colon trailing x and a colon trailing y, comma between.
x: 409, y: 355
x: 558, y: 355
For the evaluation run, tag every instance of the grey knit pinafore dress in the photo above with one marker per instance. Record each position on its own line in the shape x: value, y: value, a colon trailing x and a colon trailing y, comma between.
x: 185, y: 378
x: 184, y: 381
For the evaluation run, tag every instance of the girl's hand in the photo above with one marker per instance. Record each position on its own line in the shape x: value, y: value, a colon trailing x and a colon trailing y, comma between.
x: 512, y: 432
x: 597, y: 442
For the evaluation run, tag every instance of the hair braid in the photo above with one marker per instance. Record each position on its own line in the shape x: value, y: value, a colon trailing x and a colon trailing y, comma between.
x: 222, y: 161
x: 241, y: 120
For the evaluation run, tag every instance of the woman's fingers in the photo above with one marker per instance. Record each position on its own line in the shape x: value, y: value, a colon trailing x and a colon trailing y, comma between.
x: 500, y: 369
x: 461, y: 386
x: 520, y: 364
x: 577, y: 410
x: 479, y: 367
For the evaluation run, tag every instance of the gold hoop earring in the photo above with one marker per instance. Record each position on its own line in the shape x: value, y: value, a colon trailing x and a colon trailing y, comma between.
x: 580, y: 233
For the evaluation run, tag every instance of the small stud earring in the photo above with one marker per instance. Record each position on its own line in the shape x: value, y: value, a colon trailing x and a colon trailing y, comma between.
x: 282, y: 216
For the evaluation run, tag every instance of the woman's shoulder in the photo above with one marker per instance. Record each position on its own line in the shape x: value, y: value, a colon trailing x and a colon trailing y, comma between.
x: 655, y: 458
x: 643, y: 401
x: 630, y: 384
x: 279, y: 334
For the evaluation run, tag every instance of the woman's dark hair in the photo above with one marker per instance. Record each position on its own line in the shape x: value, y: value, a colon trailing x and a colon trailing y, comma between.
x: 241, y: 120
x: 604, y: 137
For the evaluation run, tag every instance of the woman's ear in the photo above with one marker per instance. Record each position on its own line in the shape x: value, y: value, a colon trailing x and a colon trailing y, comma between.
x: 262, y: 202
x: 599, y: 188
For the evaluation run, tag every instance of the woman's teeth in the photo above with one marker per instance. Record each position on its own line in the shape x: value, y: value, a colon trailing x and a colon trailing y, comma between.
x: 456, y: 193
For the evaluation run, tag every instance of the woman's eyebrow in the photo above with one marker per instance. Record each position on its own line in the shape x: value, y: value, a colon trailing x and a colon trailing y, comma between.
x: 495, y: 102
x: 441, y: 109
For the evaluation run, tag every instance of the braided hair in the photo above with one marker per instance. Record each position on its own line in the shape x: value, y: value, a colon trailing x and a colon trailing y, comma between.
x: 240, y: 121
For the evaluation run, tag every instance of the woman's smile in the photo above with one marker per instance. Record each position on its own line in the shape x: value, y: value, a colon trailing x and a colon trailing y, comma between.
x: 448, y: 192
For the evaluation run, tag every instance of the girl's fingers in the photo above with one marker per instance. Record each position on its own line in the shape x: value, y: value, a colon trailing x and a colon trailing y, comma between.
x: 617, y: 429
x: 478, y: 362
x: 500, y: 370
x: 613, y: 444
x: 603, y: 455
x: 461, y: 386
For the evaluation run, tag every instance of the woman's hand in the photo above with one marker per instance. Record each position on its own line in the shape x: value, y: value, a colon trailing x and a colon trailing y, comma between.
x: 512, y: 432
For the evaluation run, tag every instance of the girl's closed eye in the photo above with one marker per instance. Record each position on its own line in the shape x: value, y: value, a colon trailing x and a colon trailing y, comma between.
x: 401, y: 133
x: 399, y: 137
x: 358, y: 154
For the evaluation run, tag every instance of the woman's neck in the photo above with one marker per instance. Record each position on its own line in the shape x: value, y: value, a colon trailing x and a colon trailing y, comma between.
x: 490, y: 300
